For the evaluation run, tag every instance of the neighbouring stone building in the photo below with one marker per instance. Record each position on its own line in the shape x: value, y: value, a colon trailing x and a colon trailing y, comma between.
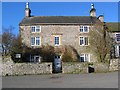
x: 60, y: 31
x: 115, y: 35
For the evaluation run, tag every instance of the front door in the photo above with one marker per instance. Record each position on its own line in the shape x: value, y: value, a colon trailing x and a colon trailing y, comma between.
x: 57, y: 65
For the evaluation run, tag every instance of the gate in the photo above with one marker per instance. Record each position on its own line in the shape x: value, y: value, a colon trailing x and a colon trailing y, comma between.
x: 57, y: 64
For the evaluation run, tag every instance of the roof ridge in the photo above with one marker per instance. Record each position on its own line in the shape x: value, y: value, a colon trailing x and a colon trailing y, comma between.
x: 61, y: 16
x: 59, y: 19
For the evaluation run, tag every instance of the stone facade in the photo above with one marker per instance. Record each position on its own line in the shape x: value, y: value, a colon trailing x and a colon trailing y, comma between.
x: 66, y: 28
x: 69, y: 35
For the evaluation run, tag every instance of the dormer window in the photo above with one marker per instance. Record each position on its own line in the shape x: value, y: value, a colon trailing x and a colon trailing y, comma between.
x: 84, y: 29
x: 36, y: 29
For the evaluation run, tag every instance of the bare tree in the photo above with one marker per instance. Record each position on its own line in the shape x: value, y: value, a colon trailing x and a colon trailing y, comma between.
x: 7, y: 38
x: 100, y: 42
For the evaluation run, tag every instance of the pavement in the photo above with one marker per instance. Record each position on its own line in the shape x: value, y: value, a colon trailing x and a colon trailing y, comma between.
x: 91, y: 80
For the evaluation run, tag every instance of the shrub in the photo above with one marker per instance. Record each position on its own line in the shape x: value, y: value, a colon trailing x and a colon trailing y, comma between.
x: 67, y: 57
x: 46, y: 52
x: 70, y: 54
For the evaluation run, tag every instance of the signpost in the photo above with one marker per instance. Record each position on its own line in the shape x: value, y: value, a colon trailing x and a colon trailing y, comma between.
x: 18, y: 56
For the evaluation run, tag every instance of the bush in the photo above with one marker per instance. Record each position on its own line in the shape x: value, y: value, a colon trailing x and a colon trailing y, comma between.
x: 70, y: 54
x: 67, y: 57
x: 46, y: 52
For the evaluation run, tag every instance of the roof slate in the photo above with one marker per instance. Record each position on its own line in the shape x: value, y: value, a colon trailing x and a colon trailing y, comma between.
x: 58, y: 20
x: 113, y: 26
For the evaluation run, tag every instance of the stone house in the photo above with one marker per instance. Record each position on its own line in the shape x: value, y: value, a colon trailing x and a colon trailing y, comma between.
x: 115, y: 35
x: 59, y: 31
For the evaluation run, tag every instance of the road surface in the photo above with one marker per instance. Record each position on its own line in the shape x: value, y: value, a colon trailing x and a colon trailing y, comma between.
x: 92, y: 80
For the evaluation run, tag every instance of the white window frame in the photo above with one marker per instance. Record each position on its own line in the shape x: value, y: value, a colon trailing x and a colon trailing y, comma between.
x: 83, y: 40
x: 82, y: 27
x: 36, y: 27
x: 117, y: 48
x: 33, y: 58
x: 84, y: 56
x: 36, y: 41
x: 59, y: 40
x: 32, y: 41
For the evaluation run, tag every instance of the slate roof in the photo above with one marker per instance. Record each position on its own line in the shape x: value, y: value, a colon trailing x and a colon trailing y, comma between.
x: 58, y: 20
x: 113, y: 26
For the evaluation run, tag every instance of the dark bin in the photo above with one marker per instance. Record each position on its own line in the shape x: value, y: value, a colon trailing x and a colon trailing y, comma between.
x: 91, y: 69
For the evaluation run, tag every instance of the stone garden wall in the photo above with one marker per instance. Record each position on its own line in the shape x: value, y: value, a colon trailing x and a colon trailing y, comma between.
x: 74, y: 68
x: 8, y: 67
x: 101, y: 67
x: 114, y: 65
x: 11, y: 68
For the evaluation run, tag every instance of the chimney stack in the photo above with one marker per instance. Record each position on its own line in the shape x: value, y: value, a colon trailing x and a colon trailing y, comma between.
x: 101, y: 18
x: 92, y: 11
x: 27, y: 10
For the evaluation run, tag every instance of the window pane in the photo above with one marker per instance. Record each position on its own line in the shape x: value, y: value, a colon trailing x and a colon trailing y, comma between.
x: 33, y: 29
x: 33, y: 41
x: 86, y: 40
x: 85, y: 29
x: 37, y: 28
x: 86, y: 57
x: 81, y: 28
x: 82, y: 58
x: 32, y: 58
x: 119, y: 51
x: 58, y: 56
x: 55, y: 56
x: 56, y: 41
x: 81, y: 41
x: 37, y: 40
x: 118, y: 37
